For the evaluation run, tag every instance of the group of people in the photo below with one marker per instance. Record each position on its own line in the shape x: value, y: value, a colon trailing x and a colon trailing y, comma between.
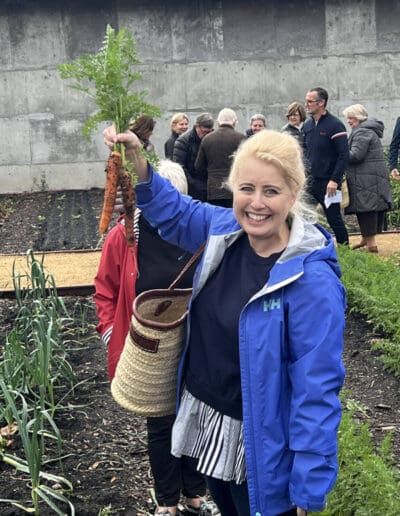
x: 258, y: 407
x: 329, y: 154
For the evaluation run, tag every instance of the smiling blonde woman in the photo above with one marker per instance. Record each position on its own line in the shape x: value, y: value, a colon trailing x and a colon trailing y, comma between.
x: 261, y: 370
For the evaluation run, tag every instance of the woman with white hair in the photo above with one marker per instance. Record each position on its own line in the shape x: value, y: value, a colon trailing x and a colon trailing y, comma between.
x: 261, y: 369
x: 125, y: 272
x: 367, y: 176
x: 258, y: 122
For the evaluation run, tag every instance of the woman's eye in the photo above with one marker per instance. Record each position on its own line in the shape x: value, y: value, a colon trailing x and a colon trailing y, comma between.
x: 246, y: 189
x: 270, y: 192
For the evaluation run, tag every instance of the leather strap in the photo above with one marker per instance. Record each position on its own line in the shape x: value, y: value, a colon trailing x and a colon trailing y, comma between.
x: 190, y: 262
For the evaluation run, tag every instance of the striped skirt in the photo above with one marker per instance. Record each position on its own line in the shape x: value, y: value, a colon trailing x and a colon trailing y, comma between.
x: 215, y: 440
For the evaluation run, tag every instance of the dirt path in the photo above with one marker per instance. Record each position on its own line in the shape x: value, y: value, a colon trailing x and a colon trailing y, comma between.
x: 388, y: 243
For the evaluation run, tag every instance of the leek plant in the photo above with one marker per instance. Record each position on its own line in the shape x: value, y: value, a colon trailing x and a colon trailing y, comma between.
x: 33, y: 365
x: 36, y: 292
x: 38, y: 344
x: 31, y: 425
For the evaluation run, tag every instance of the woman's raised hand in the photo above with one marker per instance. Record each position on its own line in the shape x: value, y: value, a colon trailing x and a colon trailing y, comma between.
x: 133, y: 148
x: 128, y: 138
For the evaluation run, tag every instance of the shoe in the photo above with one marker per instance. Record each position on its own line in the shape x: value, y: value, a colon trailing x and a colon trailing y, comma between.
x: 206, y: 508
x: 359, y: 245
x: 373, y: 249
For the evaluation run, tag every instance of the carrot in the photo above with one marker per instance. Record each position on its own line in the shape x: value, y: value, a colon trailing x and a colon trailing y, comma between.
x: 110, y: 192
x: 128, y: 198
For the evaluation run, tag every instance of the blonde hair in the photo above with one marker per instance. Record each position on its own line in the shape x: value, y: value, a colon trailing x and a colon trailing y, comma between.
x: 281, y: 150
x: 174, y: 172
x: 356, y: 111
x: 178, y: 117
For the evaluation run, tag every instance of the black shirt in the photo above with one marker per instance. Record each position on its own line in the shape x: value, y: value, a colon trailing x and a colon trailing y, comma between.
x: 159, y: 262
x: 212, y: 368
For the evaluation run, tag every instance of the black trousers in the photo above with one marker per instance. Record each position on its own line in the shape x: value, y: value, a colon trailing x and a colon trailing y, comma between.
x: 316, y: 187
x: 171, y: 475
x: 233, y: 499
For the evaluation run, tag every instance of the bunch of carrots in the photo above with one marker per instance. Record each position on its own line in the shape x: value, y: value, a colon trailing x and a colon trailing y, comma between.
x: 118, y: 176
x: 107, y: 77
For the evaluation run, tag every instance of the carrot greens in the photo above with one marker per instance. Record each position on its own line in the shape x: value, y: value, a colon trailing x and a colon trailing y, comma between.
x: 107, y: 77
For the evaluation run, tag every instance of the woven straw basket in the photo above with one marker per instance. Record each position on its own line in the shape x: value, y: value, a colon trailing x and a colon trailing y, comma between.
x: 145, y: 380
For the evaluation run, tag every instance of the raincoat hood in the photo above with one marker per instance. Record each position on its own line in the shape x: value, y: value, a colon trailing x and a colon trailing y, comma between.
x: 372, y: 123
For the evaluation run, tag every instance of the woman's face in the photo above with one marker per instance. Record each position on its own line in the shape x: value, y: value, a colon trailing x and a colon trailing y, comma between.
x: 353, y: 122
x: 262, y: 201
x: 294, y: 118
x: 257, y: 125
x: 181, y: 126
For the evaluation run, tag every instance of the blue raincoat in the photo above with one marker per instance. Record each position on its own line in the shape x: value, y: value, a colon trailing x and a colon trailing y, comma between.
x: 291, y: 340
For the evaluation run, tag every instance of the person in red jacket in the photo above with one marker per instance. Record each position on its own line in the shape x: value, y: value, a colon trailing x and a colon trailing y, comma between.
x: 124, y: 272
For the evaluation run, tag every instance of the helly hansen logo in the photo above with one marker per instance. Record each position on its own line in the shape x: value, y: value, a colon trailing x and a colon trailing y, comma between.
x: 272, y: 304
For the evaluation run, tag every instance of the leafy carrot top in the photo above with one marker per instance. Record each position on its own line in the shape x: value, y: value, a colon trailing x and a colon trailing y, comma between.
x: 107, y: 77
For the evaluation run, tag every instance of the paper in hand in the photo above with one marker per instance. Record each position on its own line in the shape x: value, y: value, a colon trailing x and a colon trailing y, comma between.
x: 333, y: 198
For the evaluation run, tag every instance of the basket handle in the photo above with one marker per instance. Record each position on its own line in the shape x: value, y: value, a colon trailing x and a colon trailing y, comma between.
x: 190, y: 262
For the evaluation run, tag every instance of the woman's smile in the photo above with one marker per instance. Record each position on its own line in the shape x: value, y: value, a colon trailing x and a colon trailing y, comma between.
x: 257, y: 218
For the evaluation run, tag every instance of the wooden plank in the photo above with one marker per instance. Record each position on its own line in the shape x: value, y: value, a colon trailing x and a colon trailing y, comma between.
x: 69, y: 269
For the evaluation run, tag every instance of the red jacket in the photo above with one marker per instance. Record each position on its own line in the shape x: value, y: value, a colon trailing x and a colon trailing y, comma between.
x: 115, y: 291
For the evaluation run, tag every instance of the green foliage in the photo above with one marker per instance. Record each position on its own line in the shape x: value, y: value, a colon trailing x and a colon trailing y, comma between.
x: 393, y: 217
x: 6, y: 208
x: 31, y: 427
x: 390, y: 354
x: 33, y: 366
x: 34, y: 359
x: 373, y: 287
x: 107, y: 77
x: 367, y: 483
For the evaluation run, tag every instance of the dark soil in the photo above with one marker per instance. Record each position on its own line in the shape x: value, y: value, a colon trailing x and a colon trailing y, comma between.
x: 50, y: 221
x: 104, y: 445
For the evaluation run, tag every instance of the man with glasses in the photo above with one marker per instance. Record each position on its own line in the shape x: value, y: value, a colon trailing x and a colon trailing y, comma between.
x: 186, y: 148
x: 327, y: 155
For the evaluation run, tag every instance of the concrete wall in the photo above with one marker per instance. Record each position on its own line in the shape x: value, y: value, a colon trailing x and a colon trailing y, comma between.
x: 253, y: 56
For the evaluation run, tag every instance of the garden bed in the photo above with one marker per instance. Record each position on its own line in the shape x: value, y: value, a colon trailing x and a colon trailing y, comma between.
x: 105, y: 446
